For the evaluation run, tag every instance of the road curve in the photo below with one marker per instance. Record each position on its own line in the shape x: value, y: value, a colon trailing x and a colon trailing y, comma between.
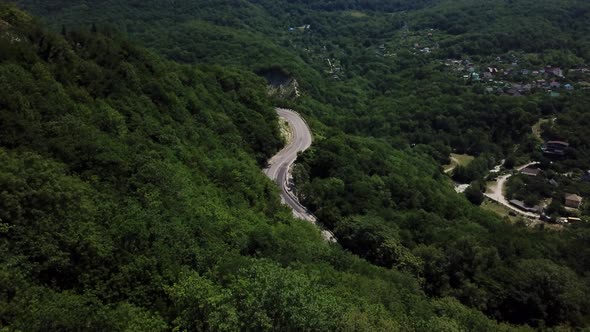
x: 497, y: 192
x: 279, y: 165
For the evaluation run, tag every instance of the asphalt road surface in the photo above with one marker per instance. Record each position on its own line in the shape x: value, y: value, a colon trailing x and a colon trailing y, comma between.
x: 279, y: 166
x: 497, y: 192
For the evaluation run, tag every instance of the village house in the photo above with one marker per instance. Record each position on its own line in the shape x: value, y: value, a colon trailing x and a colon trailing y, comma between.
x: 573, y: 201
x: 531, y: 171
x: 555, y: 148
x: 524, y: 207
x: 492, y: 70
x: 555, y: 71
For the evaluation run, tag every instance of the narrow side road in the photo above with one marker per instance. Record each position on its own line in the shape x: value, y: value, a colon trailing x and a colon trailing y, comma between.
x: 279, y: 166
x: 497, y: 192
x: 456, y: 163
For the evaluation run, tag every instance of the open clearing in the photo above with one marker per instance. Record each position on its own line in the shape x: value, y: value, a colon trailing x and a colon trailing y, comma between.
x: 499, y: 209
x: 356, y: 14
x: 537, y: 128
x: 458, y: 160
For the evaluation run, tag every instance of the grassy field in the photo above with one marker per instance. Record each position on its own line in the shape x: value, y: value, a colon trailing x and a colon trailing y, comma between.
x: 356, y: 14
x: 537, y: 128
x: 458, y: 160
x: 500, y: 210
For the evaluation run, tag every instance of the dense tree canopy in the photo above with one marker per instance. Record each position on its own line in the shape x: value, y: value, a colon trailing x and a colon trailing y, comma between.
x: 131, y: 196
x: 132, y: 199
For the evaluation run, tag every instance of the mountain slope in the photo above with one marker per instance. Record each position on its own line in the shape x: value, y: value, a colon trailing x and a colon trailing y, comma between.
x: 387, y: 88
x: 132, y: 200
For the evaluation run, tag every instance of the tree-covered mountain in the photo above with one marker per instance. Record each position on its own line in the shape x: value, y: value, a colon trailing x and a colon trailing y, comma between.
x: 135, y: 198
x: 132, y: 200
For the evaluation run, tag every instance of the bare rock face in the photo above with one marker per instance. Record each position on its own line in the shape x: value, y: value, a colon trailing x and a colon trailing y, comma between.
x: 281, y: 84
x: 289, y: 90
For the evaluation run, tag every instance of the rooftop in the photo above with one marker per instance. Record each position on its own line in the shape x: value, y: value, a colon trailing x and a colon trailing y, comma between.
x: 521, y: 205
x: 531, y: 171
x: 559, y: 143
x: 573, y: 197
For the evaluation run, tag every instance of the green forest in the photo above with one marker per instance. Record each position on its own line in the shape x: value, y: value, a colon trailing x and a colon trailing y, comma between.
x: 133, y: 134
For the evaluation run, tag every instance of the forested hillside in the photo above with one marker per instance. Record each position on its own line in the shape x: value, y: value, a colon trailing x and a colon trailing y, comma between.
x: 135, y: 198
x: 132, y: 200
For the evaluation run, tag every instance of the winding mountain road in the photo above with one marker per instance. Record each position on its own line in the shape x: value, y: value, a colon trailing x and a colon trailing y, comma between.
x: 279, y: 166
